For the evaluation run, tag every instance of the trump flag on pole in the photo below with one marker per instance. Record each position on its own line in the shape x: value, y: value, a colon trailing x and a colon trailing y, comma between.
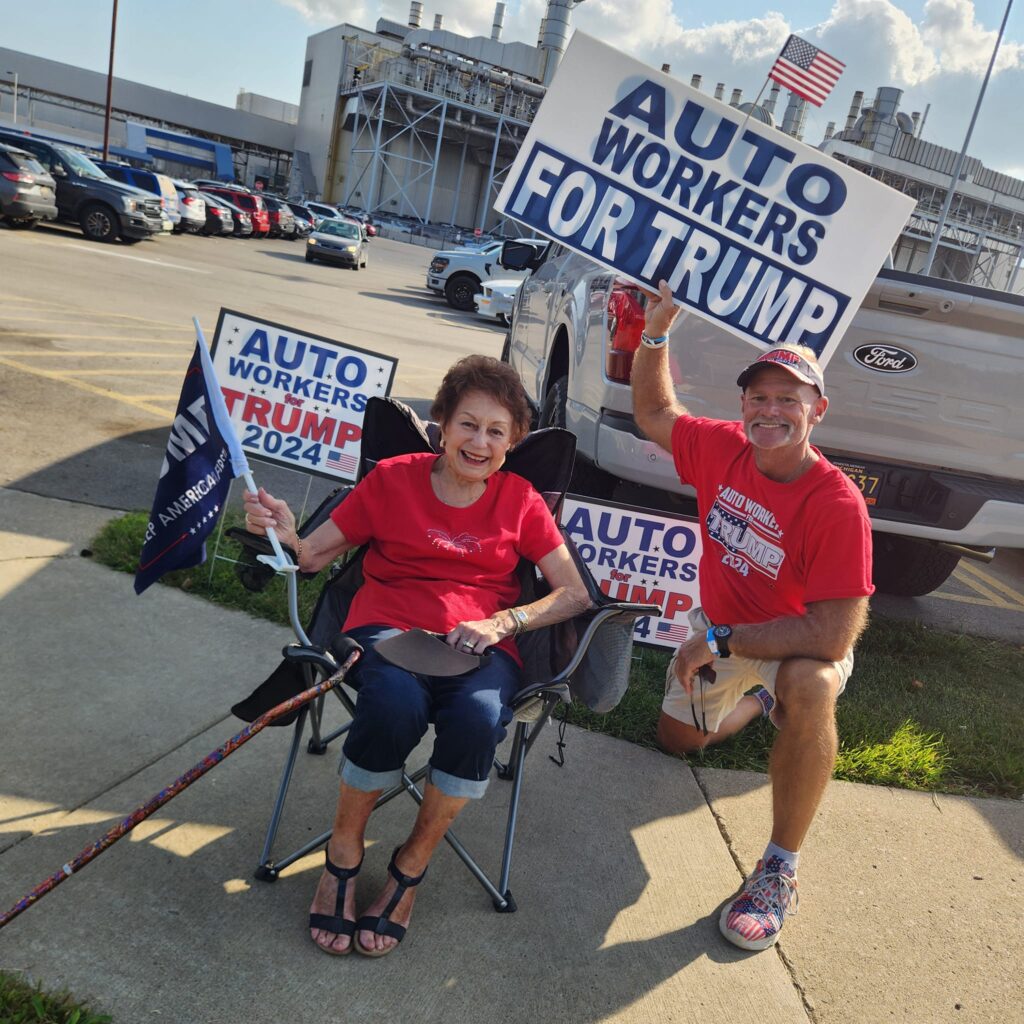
x: 804, y: 69
x: 203, y: 456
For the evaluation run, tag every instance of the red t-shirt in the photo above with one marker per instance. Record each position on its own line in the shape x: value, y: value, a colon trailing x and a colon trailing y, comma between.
x: 430, y: 565
x: 769, y: 548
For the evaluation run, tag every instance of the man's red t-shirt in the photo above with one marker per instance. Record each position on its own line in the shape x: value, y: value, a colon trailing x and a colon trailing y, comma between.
x: 430, y: 565
x: 769, y: 548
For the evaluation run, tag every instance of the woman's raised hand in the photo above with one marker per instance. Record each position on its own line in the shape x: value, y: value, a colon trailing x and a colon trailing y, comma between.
x: 263, y: 511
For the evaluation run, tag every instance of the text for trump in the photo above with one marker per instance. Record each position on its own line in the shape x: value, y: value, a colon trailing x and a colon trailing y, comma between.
x: 772, y: 240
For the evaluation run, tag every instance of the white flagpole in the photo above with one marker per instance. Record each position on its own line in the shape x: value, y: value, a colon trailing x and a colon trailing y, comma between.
x: 281, y: 562
x: 958, y: 166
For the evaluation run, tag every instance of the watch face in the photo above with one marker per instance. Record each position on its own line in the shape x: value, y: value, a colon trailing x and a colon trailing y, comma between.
x: 724, y: 631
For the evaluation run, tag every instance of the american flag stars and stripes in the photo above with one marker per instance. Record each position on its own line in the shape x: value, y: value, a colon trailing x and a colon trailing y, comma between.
x: 675, y: 631
x: 344, y: 463
x: 804, y: 69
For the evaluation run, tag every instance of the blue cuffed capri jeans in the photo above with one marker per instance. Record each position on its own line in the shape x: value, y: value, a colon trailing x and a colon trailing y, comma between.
x: 469, y: 713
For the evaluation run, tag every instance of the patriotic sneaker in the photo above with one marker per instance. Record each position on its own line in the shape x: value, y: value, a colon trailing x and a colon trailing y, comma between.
x: 754, y: 919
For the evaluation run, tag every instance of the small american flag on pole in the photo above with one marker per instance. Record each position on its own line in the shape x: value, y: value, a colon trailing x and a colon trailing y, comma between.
x: 804, y: 69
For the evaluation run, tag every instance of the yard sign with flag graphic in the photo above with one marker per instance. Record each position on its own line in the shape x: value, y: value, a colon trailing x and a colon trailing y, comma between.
x: 203, y: 456
x: 804, y: 69
x: 638, y: 554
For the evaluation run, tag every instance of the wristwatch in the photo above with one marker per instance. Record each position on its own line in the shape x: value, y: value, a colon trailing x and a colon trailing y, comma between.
x: 717, y: 638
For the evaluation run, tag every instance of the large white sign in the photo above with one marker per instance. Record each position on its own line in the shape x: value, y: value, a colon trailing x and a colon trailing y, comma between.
x: 297, y: 398
x: 638, y: 555
x: 764, y: 236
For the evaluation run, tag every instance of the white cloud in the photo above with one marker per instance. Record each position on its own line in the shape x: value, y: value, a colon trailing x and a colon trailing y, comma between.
x: 938, y: 62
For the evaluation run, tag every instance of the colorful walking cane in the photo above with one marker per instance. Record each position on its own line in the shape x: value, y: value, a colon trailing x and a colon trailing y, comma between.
x: 179, y: 785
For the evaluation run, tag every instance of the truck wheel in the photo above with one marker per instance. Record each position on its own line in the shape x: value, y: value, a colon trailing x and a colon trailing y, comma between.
x: 552, y: 410
x: 99, y: 223
x: 460, y: 289
x: 910, y: 568
x: 24, y: 223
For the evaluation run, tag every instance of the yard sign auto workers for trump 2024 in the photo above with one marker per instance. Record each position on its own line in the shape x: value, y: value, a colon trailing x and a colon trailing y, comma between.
x: 765, y: 236
x: 297, y: 399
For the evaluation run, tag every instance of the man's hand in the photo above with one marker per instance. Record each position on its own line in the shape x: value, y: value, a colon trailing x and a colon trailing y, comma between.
x: 661, y: 311
x: 690, y: 658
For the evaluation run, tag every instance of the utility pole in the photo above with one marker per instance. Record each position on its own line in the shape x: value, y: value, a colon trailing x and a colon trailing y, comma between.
x: 110, y: 83
x: 958, y: 166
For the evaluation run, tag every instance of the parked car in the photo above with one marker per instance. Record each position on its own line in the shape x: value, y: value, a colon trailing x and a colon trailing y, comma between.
x: 305, y: 220
x: 337, y: 241
x: 249, y: 202
x: 324, y: 212
x: 241, y: 221
x: 192, y: 206
x: 496, y: 298
x: 27, y: 192
x: 106, y: 210
x: 927, y: 422
x: 219, y: 219
x: 458, y: 273
x: 149, y: 181
x: 282, y: 220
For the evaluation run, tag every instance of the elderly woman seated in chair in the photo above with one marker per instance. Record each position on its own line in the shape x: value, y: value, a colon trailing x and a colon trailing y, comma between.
x: 445, y: 534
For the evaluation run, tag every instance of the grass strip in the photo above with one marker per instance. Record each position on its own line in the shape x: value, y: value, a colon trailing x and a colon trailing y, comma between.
x: 923, y: 710
x: 23, y: 1003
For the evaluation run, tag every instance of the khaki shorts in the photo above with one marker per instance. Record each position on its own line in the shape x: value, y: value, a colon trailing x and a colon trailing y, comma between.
x: 735, y: 676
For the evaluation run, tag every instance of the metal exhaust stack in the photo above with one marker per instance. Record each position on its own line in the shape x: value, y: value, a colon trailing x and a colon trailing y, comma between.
x: 499, y: 21
x: 415, y: 14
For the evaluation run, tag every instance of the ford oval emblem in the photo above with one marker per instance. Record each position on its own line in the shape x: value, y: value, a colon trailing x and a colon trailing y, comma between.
x: 885, y: 358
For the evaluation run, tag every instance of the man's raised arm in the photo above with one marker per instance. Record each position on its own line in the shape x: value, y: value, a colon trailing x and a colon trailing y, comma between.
x: 654, y: 400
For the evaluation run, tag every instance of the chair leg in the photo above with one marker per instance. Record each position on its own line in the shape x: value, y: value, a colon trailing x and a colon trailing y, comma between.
x: 507, y: 905
x: 265, y: 870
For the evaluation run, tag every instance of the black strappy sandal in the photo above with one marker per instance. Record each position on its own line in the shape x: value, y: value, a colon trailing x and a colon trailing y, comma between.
x: 336, y: 923
x: 382, y: 924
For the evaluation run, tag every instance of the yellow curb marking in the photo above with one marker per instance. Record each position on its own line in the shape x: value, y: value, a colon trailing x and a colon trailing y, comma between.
x: 979, y: 588
x: 20, y: 335
x: 51, y: 304
x: 113, y: 372
x: 72, y: 354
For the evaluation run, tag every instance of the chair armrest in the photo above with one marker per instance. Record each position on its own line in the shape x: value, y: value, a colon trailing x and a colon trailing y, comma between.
x: 607, y: 611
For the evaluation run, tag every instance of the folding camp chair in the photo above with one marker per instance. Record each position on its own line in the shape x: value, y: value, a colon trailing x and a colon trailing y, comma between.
x: 587, y: 657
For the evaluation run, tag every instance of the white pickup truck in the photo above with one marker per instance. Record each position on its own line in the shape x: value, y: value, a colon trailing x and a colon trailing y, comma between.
x: 457, y: 273
x: 926, y: 413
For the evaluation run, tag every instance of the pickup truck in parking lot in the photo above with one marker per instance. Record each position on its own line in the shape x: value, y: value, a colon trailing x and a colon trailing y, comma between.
x: 105, y: 209
x: 925, y: 411
x: 457, y: 273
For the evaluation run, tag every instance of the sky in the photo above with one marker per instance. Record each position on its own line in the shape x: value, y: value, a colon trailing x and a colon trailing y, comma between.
x: 935, y: 50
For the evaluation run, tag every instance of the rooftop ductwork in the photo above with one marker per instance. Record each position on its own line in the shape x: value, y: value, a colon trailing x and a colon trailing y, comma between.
x: 438, y: 22
x: 695, y: 82
x: 720, y: 90
x: 554, y: 36
x: 773, y: 98
x: 855, y: 107
x: 737, y: 95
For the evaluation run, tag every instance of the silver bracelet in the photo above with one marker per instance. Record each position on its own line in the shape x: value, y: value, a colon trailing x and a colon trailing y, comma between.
x: 646, y: 339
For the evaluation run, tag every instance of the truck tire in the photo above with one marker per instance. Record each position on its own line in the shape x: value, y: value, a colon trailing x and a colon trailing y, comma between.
x: 552, y: 409
x: 587, y: 479
x: 99, y: 223
x: 460, y: 289
x: 910, y: 568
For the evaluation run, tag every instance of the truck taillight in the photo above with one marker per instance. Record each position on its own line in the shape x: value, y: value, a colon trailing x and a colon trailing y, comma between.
x: 25, y: 179
x: 625, y: 325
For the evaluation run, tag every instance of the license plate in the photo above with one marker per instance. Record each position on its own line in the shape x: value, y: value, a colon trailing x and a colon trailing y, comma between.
x: 868, y: 480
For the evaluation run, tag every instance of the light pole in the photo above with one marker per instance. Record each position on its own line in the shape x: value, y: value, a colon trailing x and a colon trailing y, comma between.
x: 110, y: 84
x: 958, y: 166
x: 14, y: 116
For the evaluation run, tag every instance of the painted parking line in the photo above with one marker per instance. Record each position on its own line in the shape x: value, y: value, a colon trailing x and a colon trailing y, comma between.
x: 988, y: 591
x: 991, y: 581
x: 138, y: 259
x: 49, y: 336
x: 98, y: 314
x: 116, y: 372
x: 81, y: 385
x: 117, y: 353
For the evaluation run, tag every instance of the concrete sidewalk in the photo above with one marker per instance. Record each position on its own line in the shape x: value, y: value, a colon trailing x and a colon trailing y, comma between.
x: 623, y: 858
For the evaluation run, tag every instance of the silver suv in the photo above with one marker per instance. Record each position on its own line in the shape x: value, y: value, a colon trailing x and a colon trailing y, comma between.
x: 925, y: 413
